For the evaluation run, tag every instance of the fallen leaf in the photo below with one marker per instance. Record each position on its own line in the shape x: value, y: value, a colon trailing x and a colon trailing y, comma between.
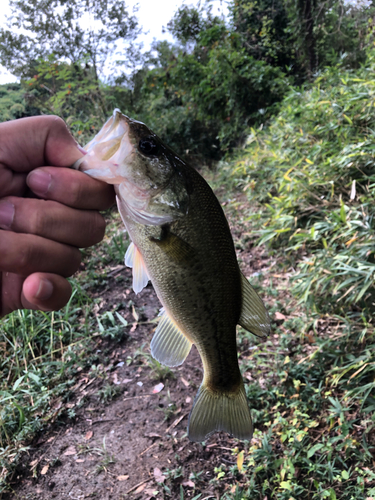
x: 188, y: 400
x: 88, y: 435
x: 80, y: 460
x: 158, y: 475
x: 115, y: 379
x: 122, y: 478
x: 153, y: 435
x: 279, y: 316
x: 135, y: 314
x: 50, y: 439
x: 185, y: 382
x: 150, y: 493
x: 158, y: 388
x: 140, y: 489
x: 44, y: 470
x: 127, y: 380
x: 240, y: 458
x: 33, y: 463
x: 189, y: 484
x: 70, y: 451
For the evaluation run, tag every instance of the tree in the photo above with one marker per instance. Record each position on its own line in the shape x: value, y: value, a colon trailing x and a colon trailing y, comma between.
x: 69, y: 29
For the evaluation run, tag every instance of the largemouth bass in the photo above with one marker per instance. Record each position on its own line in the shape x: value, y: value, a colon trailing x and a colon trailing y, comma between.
x: 182, y: 242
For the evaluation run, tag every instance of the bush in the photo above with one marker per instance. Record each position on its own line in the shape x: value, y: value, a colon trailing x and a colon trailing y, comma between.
x: 313, y: 170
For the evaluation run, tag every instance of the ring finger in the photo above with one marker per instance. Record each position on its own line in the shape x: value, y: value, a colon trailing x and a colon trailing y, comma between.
x: 52, y: 220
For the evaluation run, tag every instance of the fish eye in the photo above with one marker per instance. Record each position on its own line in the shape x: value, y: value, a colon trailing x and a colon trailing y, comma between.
x: 149, y: 146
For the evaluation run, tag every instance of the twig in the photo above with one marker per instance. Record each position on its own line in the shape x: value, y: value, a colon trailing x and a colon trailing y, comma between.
x: 138, y: 397
x: 149, y: 448
x: 176, y: 422
x: 138, y: 485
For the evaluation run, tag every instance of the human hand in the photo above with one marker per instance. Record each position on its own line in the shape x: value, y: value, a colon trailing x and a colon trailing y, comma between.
x: 40, y: 236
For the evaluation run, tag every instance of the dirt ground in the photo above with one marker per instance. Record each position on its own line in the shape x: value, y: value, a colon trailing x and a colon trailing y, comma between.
x: 120, y: 449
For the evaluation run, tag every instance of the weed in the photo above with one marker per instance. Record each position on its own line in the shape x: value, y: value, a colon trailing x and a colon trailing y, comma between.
x: 108, y: 392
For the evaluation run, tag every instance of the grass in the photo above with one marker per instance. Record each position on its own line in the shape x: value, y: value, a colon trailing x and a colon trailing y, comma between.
x: 42, y: 354
x: 309, y: 178
x: 311, y: 384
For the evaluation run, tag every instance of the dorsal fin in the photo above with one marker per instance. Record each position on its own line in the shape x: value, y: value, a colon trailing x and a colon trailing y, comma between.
x: 254, y: 316
x: 169, y: 345
x: 133, y: 258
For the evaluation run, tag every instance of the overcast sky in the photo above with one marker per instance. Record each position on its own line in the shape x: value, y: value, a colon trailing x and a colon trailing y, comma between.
x: 152, y: 16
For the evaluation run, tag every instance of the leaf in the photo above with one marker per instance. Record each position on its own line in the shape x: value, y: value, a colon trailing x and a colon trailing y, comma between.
x: 140, y: 488
x: 240, y: 458
x: 189, y: 484
x: 88, y: 435
x: 185, y: 382
x: 314, y: 449
x: 285, y: 485
x: 135, y: 314
x: 158, y: 475
x: 44, y: 470
x: 279, y: 316
x: 345, y: 474
x: 123, y: 478
x: 70, y: 451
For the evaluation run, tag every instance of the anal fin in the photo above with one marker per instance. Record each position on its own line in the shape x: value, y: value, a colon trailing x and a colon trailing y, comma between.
x: 254, y: 316
x: 133, y: 258
x: 169, y: 345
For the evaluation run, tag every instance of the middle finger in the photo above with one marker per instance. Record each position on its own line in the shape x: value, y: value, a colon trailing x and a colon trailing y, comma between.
x: 52, y: 220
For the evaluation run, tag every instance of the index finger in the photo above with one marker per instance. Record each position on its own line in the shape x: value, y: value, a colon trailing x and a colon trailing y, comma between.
x: 36, y: 141
x: 71, y: 187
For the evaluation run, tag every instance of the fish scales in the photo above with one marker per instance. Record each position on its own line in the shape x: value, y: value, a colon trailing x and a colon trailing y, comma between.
x: 208, y: 315
x: 182, y: 242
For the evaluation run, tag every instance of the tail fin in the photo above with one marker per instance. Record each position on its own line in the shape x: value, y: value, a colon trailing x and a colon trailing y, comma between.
x: 214, y: 411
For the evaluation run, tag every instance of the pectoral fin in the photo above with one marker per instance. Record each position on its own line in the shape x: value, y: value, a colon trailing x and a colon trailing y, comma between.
x: 133, y: 258
x: 254, y: 316
x: 178, y: 250
x: 169, y: 345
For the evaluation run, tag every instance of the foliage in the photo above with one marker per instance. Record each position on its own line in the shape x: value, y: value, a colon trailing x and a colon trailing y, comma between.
x: 323, y: 32
x: 313, y: 170
x: 203, y: 92
x: 13, y: 103
x: 77, y: 29
x: 313, y: 414
x: 71, y: 92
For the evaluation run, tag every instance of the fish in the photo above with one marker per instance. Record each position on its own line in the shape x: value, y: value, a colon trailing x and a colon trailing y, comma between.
x: 181, y: 241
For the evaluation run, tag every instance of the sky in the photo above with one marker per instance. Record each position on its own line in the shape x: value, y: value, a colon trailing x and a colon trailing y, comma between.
x: 152, y: 16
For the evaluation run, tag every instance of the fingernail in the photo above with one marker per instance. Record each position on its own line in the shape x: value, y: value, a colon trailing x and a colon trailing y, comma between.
x: 6, y: 214
x: 45, y: 290
x: 39, y: 182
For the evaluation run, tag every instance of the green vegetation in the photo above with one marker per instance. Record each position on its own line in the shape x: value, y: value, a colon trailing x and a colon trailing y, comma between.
x: 281, y: 78
x: 310, y: 175
x: 312, y: 169
x: 14, y: 104
x: 42, y: 355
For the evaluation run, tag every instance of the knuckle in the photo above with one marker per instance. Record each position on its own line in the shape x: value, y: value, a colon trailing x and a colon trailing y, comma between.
x: 26, y: 258
x: 37, y: 221
x: 94, y: 228
x: 76, y: 194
